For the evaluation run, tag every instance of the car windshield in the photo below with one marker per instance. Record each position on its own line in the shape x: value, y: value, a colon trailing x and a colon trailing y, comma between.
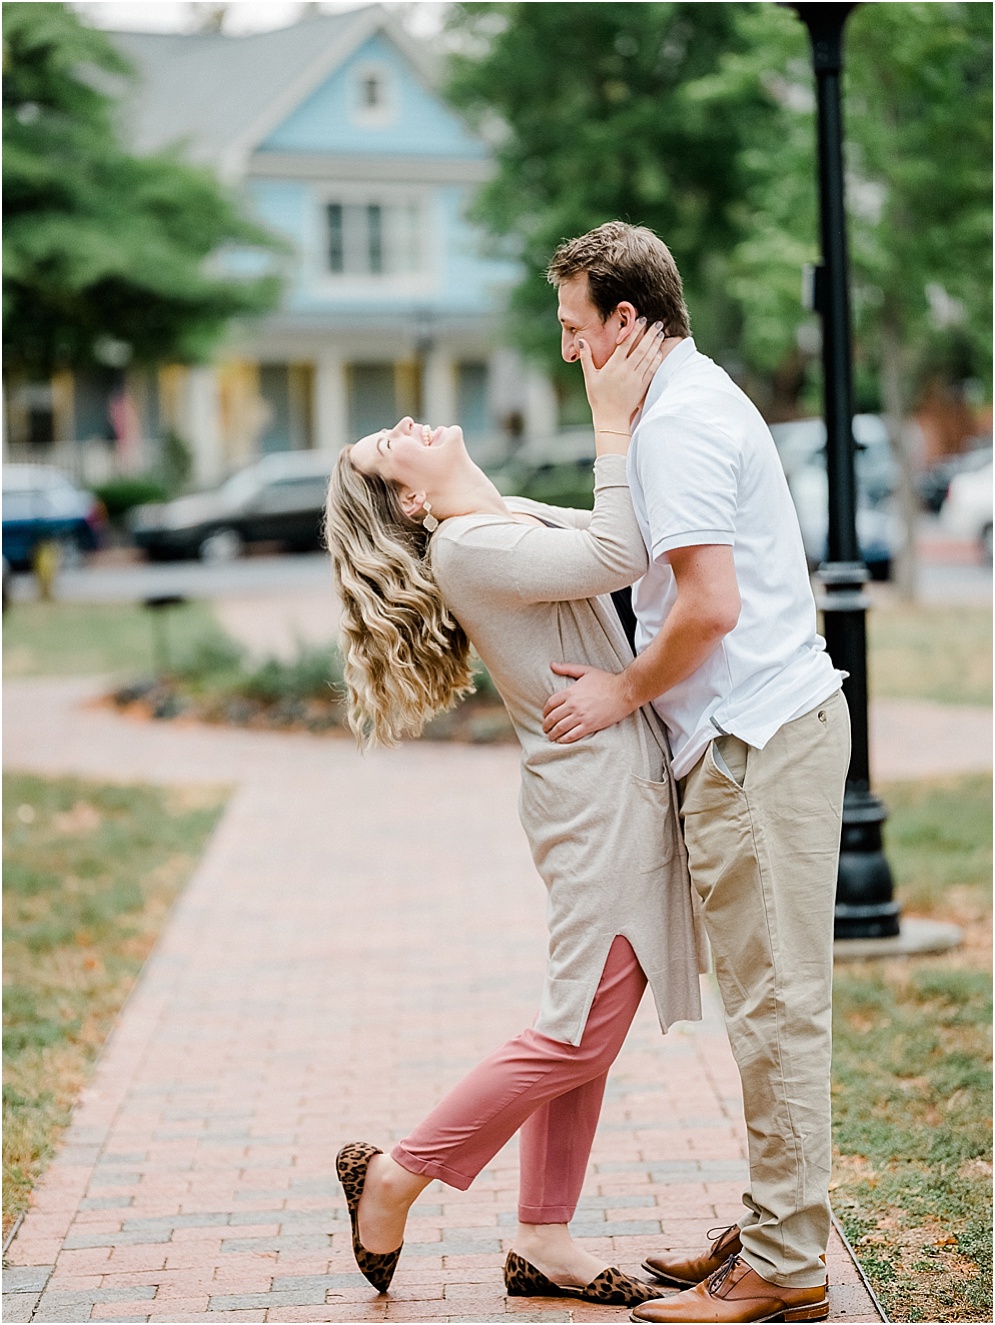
x: 239, y: 489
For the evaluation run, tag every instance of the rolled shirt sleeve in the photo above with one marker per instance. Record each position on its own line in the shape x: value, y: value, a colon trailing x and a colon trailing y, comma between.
x: 689, y: 472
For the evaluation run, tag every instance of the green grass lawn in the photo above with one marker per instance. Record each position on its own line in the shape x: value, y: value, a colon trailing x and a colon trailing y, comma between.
x: 90, y: 872
x: 938, y: 653
x: 939, y: 844
x: 87, y: 639
x: 912, y: 1082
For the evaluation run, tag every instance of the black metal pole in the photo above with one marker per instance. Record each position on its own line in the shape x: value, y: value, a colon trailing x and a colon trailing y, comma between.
x: 865, y: 904
x: 158, y: 606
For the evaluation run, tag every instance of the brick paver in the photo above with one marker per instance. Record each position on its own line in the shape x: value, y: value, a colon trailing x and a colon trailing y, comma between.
x: 360, y: 931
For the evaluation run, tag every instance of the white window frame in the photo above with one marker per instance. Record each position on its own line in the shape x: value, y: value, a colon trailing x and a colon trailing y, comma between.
x: 392, y: 198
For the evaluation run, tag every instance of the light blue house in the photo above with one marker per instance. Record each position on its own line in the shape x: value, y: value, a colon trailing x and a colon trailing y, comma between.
x: 334, y: 131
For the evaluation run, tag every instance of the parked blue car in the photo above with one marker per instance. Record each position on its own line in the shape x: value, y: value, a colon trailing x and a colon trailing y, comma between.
x: 41, y: 505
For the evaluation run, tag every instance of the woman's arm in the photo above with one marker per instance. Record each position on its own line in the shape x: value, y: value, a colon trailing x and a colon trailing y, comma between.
x: 617, y: 389
x: 533, y: 564
x: 553, y: 565
x: 568, y: 515
x: 511, y: 559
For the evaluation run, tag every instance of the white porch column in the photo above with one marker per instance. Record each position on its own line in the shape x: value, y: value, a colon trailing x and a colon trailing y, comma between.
x: 331, y: 402
x: 541, y: 412
x: 439, y: 397
x: 203, y: 425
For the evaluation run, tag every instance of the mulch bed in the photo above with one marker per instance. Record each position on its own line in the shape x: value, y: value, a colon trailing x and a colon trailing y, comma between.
x: 477, y: 721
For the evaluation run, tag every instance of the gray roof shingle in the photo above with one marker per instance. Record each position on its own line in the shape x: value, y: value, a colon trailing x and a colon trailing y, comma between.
x: 207, y: 91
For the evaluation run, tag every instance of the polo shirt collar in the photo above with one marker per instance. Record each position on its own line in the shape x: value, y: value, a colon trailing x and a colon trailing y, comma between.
x: 674, y: 361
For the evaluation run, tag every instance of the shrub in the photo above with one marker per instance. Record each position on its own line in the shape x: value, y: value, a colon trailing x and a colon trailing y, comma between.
x: 120, y: 495
x: 176, y: 463
x: 316, y: 673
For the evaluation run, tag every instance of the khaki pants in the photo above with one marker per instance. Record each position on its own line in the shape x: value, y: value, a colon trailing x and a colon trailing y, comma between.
x: 763, y: 833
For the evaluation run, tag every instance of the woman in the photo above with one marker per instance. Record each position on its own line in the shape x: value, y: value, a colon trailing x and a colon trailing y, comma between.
x: 429, y: 557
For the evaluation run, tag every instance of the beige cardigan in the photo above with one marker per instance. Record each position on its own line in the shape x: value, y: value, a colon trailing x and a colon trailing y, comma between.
x: 600, y: 814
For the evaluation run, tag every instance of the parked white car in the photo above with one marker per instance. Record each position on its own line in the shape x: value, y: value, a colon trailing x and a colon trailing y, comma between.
x: 877, y: 526
x: 967, y: 511
x: 803, y: 442
x: 801, y: 446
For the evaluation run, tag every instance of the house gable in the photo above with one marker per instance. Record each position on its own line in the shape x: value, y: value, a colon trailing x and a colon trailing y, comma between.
x: 374, y: 104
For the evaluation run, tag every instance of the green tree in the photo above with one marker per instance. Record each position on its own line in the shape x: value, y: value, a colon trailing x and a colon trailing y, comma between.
x: 776, y: 205
x: 589, y: 110
x: 918, y: 115
x: 101, y: 246
x: 698, y: 120
x: 920, y: 98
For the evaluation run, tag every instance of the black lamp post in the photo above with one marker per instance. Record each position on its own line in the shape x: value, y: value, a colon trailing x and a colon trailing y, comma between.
x: 158, y: 606
x: 865, y: 904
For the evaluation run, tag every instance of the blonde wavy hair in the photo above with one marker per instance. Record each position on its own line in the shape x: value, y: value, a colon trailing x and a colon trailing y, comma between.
x: 406, y: 657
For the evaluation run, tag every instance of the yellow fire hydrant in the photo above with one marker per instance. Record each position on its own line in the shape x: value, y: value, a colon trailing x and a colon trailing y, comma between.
x: 46, y: 566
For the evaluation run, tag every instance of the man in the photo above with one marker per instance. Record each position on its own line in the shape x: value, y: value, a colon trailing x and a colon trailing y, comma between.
x: 729, y: 657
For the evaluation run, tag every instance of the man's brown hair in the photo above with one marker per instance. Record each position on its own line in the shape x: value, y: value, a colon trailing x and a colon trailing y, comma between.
x: 625, y: 263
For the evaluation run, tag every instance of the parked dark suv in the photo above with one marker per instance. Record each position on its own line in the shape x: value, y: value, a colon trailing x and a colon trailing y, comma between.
x: 281, y: 498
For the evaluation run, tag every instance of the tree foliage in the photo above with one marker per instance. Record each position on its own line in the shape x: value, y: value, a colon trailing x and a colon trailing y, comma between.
x: 920, y: 100
x: 592, y: 111
x: 918, y: 112
x: 698, y: 120
x: 101, y: 246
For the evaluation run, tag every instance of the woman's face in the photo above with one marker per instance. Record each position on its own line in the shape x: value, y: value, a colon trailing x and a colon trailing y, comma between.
x: 413, y: 455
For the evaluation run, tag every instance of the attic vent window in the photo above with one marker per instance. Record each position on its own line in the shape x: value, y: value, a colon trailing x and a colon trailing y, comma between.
x: 372, y: 92
x: 373, y: 95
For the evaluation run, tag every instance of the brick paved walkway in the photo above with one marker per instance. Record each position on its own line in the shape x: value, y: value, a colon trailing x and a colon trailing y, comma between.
x: 359, y: 932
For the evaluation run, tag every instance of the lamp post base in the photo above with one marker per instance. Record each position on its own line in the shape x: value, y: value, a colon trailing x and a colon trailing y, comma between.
x: 865, y: 905
x: 865, y: 893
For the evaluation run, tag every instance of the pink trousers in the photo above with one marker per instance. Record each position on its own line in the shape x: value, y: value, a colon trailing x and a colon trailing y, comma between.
x: 552, y: 1091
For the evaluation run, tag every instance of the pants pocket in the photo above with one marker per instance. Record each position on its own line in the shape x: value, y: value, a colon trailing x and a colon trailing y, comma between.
x: 731, y: 757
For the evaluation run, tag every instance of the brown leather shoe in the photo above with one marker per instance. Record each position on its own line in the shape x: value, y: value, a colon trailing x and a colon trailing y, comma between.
x: 736, y: 1293
x: 684, y: 1273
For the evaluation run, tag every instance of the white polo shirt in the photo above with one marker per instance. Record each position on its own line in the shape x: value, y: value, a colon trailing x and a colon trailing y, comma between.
x: 703, y: 469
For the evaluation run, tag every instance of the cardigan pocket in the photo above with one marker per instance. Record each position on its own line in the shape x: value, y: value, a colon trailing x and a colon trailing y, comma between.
x: 650, y: 823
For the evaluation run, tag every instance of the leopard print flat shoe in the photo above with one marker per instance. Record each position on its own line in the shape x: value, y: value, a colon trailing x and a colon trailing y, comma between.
x: 611, y: 1287
x: 351, y: 1164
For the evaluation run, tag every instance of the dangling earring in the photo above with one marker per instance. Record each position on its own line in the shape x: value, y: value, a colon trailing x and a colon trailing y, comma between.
x: 430, y: 523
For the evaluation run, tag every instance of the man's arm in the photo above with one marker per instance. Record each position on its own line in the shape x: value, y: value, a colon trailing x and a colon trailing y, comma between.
x: 706, y: 610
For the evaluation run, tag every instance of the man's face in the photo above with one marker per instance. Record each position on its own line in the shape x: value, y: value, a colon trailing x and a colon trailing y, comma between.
x: 579, y: 318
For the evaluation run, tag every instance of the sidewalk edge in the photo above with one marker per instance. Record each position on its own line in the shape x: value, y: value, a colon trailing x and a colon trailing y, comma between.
x: 859, y: 1268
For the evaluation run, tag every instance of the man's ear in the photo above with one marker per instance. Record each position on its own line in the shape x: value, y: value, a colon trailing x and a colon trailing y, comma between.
x: 412, y: 503
x: 627, y: 315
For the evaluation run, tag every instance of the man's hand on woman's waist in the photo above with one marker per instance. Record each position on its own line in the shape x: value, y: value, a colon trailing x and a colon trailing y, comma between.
x: 706, y: 610
x: 595, y: 701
